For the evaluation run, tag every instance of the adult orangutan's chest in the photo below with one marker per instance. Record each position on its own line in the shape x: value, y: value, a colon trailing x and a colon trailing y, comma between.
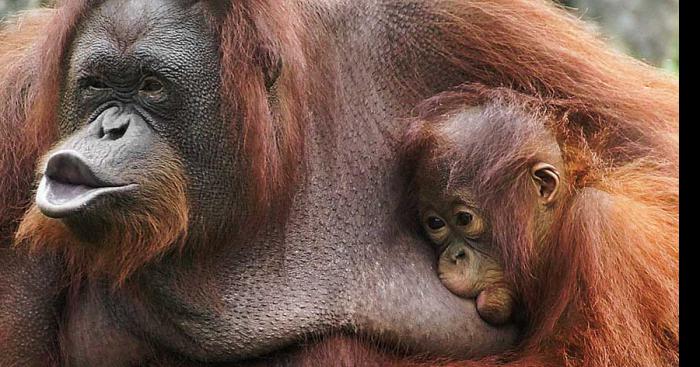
x: 94, y: 335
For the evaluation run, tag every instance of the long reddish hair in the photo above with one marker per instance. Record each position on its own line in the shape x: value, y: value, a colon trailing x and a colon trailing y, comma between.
x: 253, y: 39
x: 32, y: 55
x: 602, y: 286
x: 609, y: 287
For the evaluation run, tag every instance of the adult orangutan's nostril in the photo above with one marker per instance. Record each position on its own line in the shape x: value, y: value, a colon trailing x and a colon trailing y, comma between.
x: 114, y: 134
x: 114, y: 130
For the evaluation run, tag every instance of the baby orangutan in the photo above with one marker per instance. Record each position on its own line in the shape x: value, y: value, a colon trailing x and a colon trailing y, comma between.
x: 463, y: 161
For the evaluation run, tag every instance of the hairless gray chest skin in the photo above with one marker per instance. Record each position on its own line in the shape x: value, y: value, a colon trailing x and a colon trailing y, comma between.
x: 339, y: 263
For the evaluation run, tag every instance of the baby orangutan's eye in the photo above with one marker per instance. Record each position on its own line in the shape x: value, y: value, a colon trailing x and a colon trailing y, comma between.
x: 464, y: 218
x: 435, y: 223
x: 468, y: 221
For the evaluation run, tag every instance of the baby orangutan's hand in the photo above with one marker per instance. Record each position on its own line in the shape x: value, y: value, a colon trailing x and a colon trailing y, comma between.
x: 495, y: 304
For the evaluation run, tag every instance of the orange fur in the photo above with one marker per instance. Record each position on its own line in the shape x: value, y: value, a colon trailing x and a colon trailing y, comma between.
x: 608, y: 284
x: 29, y: 131
x: 602, y: 288
x: 156, y: 222
x: 601, y: 97
x: 17, y: 155
x: 253, y: 38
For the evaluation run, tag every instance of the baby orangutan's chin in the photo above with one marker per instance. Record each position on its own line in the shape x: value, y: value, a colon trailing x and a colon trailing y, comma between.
x: 111, y: 247
x: 458, y: 283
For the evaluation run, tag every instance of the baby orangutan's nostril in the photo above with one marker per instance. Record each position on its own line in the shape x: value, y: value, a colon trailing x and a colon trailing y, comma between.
x: 459, y: 256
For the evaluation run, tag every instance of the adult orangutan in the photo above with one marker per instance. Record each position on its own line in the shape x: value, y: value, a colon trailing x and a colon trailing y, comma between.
x: 218, y: 182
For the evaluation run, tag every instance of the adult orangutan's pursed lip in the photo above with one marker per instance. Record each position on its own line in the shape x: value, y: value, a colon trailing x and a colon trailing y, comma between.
x: 69, y: 186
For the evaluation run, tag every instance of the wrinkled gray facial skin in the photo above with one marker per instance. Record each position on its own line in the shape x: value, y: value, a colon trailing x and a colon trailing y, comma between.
x: 138, y: 92
x: 333, y: 266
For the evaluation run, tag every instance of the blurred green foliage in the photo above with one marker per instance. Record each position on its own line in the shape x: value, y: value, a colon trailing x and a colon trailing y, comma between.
x: 645, y: 29
x: 671, y: 64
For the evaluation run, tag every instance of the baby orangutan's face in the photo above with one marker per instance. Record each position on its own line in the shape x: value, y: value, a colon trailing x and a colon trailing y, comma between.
x: 466, y: 266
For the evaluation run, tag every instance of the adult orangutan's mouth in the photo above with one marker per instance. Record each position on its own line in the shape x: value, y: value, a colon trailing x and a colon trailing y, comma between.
x: 69, y: 186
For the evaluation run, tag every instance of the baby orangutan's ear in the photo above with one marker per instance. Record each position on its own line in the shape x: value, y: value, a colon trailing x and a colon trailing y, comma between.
x: 546, y: 179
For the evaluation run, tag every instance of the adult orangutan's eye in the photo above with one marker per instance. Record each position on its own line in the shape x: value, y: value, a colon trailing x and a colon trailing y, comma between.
x: 152, y: 88
x: 464, y: 218
x: 94, y: 84
x: 435, y: 223
x: 151, y: 85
